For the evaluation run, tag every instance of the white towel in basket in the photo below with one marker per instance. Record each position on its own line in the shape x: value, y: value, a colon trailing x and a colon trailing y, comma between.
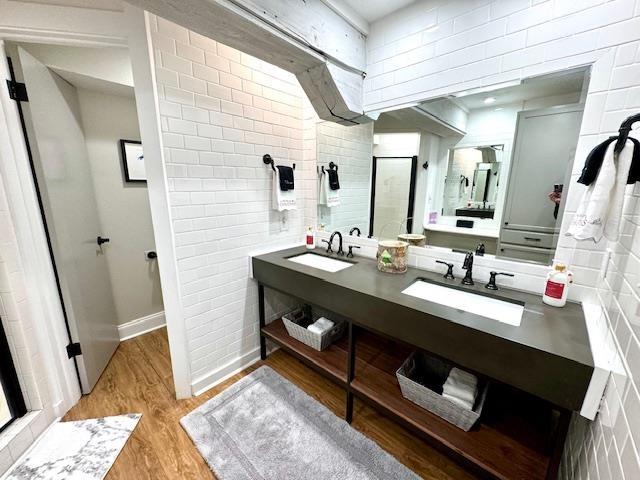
x: 461, y: 387
x: 320, y: 326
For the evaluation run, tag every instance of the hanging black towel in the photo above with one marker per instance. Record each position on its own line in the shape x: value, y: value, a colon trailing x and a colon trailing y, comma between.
x: 594, y: 161
x: 286, y: 177
x: 334, y: 184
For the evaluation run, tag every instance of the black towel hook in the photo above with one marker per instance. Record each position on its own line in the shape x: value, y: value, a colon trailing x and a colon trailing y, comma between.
x: 266, y: 158
x: 332, y: 166
x: 625, y: 128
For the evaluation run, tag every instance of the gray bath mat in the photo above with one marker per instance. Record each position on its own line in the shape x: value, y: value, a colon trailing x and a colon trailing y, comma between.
x: 82, y: 450
x: 265, y: 428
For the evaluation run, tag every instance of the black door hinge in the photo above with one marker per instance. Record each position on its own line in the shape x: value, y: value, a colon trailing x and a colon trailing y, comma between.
x: 17, y: 91
x: 74, y: 350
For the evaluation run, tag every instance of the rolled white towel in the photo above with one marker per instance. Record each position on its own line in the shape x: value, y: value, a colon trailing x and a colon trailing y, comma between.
x: 462, y: 386
x: 464, y: 404
x: 324, y: 322
x: 321, y: 326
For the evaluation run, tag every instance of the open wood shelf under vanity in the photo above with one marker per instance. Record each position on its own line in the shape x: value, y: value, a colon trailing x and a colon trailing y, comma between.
x: 511, y: 441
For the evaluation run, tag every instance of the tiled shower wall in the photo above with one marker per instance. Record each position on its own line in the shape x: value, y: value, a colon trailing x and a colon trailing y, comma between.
x: 221, y: 111
x: 431, y: 48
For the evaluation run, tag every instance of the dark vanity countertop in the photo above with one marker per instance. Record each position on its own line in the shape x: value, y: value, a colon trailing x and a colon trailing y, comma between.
x: 547, y: 355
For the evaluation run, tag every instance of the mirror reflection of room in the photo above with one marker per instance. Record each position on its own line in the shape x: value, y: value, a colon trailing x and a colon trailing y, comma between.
x: 472, y: 181
x: 485, y: 167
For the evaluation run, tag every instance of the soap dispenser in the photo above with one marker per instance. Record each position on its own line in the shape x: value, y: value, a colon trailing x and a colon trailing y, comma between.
x: 557, y: 287
x: 310, y: 239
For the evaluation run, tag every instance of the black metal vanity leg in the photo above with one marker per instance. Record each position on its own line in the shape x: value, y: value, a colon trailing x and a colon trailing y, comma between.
x: 558, y: 444
x: 351, y: 367
x: 263, y: 340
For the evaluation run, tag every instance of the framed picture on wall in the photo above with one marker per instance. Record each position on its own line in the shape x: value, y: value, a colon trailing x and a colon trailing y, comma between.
x: 133, y: 161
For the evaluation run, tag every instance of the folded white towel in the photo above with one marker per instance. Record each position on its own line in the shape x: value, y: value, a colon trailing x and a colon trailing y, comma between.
x: 464, y: 404
x: 462, y: 386
x: 600, y: 208
x: 282, y: 200
x: 320, y: 326
x: 326, y: 196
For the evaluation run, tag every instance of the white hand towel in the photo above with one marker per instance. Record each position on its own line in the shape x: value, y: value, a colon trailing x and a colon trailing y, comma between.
x: 282, y: 200
x: 324, y: 322
x: 464, y: 404
x: 322, y: 190
x: 600, y: 209
x: 326, y: 196
x: 462, y: 386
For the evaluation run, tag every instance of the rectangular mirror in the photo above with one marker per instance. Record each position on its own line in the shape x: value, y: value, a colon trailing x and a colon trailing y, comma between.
x: 486, y: 166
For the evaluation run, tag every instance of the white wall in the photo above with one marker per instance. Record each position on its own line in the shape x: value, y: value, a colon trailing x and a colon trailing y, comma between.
x: 479, y: 43
x: 221, y: 110
x: 350, y: 148
x: 123, y: 207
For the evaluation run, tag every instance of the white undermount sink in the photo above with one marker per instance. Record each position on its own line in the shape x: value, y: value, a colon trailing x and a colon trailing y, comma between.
x: 492, y: 308
x: 321, y: 262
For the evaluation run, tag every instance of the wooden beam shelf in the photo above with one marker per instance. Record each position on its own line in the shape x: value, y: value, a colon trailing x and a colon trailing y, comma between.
x: 513, y: 439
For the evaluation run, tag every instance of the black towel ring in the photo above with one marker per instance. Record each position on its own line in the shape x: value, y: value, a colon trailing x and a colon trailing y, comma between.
x: 266, y: 158
x: 625, y: 128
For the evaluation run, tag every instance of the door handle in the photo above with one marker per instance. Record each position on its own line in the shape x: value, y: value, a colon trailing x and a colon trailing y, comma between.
x: 532, y: 239
x: 100, y: 240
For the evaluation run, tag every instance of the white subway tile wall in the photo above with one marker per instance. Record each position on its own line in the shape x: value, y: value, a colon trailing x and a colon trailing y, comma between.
x: 350, y: 148
x: 18, y: 325
x: 221, y: 111
x: 474, y: 43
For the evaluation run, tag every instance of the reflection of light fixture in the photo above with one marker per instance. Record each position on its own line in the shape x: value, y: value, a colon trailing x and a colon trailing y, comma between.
x: 432, y: 28
x: 489, y: 100
x: 498, y: 109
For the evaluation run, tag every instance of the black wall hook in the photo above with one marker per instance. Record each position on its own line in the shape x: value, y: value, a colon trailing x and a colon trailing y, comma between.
x: 332, y: 166
x: 266, y: 158
x: 623, y: 134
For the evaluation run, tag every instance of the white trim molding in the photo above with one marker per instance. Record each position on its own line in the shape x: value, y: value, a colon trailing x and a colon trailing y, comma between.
x: 219, y: 375
x: 142, y: 325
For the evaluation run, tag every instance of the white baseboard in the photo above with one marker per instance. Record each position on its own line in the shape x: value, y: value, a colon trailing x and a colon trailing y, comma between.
x: 141, y: 325
x: 213, y: 378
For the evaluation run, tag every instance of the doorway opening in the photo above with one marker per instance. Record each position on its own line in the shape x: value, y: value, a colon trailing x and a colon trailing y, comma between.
x: 81, y: 128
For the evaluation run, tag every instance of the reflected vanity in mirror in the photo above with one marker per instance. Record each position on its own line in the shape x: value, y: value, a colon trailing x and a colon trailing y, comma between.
x: 472, y: 181
x: 485, y: 166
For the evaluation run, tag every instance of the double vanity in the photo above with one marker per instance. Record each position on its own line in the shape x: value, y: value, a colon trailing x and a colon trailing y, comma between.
x: 537, y: 357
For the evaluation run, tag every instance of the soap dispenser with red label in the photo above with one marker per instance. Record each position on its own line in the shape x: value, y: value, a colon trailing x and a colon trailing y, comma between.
x: 557, y: 286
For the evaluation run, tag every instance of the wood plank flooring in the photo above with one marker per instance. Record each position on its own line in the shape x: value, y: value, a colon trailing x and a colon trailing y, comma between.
x: 138, y: 380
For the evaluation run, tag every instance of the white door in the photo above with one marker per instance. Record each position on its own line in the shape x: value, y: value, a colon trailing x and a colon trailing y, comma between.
x: 544, y: 149
x: 63, y: 174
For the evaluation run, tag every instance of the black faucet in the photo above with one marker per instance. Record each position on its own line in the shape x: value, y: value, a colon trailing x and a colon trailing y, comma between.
x: 468, y: 266
x: 449, y: 274
x: 353, y: 230
x: 340, y: 250
x: 351, y: 247
x: 492, y: 280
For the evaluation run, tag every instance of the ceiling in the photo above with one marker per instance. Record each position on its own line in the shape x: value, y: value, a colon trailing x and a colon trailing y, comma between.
x: 105, y: 69
x: 529, y: 89
x: 372, y: 10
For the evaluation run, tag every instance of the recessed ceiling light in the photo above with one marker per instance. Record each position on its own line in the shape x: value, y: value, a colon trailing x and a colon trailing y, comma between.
x: 489, y: 100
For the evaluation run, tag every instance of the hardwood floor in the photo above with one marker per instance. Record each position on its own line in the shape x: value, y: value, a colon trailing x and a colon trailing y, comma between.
x: 138, y: 380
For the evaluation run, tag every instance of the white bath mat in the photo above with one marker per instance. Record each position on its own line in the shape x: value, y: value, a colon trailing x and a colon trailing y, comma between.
x: 82, y: 450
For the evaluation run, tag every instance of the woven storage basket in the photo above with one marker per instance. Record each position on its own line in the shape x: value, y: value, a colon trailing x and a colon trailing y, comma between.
x: 420, y: 370
x: 296, y: 323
